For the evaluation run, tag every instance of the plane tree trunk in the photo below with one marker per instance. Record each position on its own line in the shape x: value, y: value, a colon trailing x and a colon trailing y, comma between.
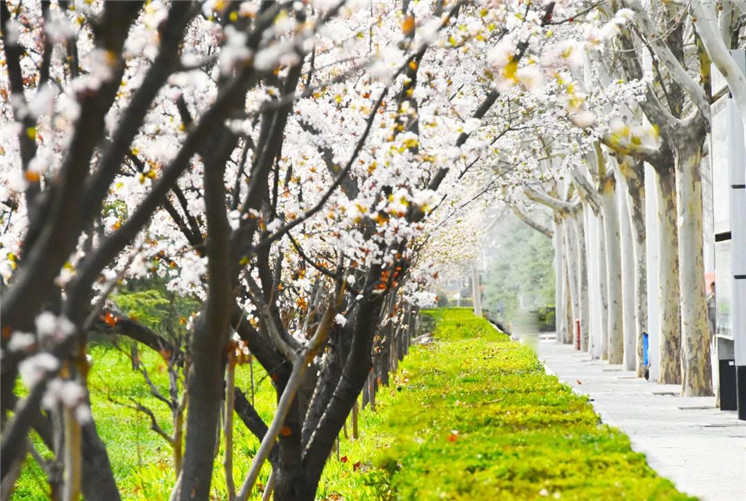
x: 612, y: 240
x: 696, y: 365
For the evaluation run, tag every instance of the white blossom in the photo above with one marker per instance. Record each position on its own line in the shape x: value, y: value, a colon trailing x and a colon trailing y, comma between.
x: 46, y: 324
x: 340, y: 320
x: 37, y: 367
x: 21, y: 341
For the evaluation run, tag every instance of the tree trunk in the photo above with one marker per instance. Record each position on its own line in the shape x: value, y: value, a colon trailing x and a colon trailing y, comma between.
x: 594, y: 300
x: 414, y: 327
x: 477, y: 293
x: 365, y: 398
x: 636, y: 203
x: 205, y: 386
x: 559, y: 280
x: 571, y: 256
x: 395, y: 346
x: 569, y: 321
x: 579, y: 224
x: 614, y: 271
x: 669, y: 323
x: 603, y: 279
x: 697, y: 372
x: 291, y: 484
x: 628, y: 285
x: 98, y: 479
x: 372, y: 388
x: 384, y: 362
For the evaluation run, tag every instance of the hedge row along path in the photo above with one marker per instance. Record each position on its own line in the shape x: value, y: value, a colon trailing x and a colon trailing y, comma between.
x: 473, y: 415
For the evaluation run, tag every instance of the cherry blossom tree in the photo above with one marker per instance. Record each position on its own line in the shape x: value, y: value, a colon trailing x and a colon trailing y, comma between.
x: 302, y: 170
x: 201, y: 143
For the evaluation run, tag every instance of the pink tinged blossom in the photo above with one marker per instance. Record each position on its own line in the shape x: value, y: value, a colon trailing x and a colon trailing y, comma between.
x: 267, y: 59
x: 21, y: 341
x: 471, y: 124
x: 7, y: 267
x: 67, y: 107
x: 71, y: 395
x: 100, y: 70
x: 139, y: 267
x: 583, y: 119
x: 42, y: 103
x: 274, y: 225
x: 51, y: 327
x: 501, y: 54
x: 234, y: 51
x: 58, y: 27
x: 155, y: 13
x: 248, y: 9
x: 66, y: 274
x: 46, y: 324
x: 36, y: 368
x: 83, y: 413
x: 16, y: 181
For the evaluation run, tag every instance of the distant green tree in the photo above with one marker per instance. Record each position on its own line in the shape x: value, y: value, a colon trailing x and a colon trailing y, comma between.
x: 153, y: 305
x: 520, y: 266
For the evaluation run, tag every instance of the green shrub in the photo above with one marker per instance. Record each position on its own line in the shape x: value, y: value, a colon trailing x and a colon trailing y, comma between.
x: 474, y: 416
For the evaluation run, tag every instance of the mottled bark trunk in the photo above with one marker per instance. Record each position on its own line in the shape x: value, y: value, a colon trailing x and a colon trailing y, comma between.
x: 614, y: 271
x: 668, y: 294
x: 477, y: 292
x: 559, y: 280
x: 585, y: 316
x: 636, y: 203
x: 571, y: 256
x: 628, y: 285
x: 695, y: 356
x: 569, y: 321
x: 603, y: 279
x: 594, y: 309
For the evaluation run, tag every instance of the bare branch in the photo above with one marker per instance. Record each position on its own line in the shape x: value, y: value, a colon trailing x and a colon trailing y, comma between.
x: 544, y: 230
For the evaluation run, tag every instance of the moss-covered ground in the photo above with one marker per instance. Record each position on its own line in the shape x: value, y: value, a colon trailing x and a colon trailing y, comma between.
x: 474, y: 416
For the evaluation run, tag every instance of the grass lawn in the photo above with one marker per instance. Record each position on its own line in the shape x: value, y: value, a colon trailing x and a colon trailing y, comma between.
x: 142, y: 461
x: 474, y: 416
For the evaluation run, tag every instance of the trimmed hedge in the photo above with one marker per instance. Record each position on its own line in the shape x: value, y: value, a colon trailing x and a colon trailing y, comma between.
x: 474, y: 416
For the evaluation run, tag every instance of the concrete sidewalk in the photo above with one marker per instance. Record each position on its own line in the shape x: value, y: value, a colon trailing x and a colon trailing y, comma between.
x: 687, y: 440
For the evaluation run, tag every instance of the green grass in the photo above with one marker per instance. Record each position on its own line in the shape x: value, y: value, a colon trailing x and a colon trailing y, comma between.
x: 474, y: 416
x: 142, y: 460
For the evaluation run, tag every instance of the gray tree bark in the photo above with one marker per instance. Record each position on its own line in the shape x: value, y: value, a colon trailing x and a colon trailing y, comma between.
x: 628, y: 285
x: 614, y: 271
x: 634, y: 181
x: 670, y: 320
x: 697, y: 372
x: 579, y: 226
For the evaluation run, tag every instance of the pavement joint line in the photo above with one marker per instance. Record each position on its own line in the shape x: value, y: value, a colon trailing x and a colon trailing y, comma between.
x: 701, y: 449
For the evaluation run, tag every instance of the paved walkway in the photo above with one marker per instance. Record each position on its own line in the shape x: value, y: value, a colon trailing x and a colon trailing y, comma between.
x: 687, y: 440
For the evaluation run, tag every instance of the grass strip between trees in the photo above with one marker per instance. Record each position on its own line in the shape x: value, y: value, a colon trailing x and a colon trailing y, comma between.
x: 142, y: 461
x: 474, y: 416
